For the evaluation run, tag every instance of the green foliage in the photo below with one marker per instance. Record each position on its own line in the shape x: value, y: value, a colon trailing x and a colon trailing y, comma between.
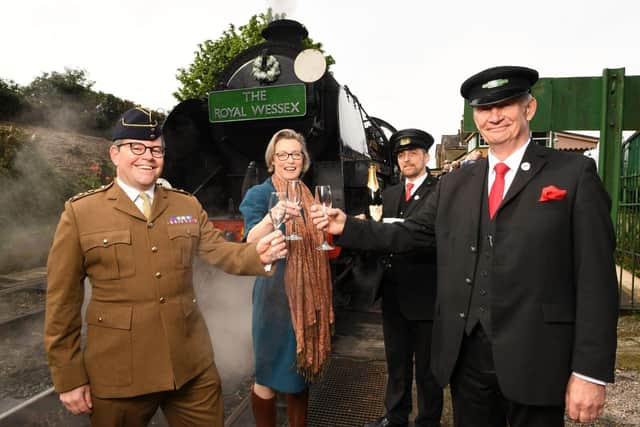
x: 11, y: 103
x: 11, y: 141
x: 108, y: 109
x: 63, y: 101
x: 32, y: 194
x: 98, y: 174
x: 212, y: 56
x: 30, y: 189
x: 56, y: 88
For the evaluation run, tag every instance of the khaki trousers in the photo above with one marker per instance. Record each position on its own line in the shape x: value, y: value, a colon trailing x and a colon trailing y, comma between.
x: 196, y: 404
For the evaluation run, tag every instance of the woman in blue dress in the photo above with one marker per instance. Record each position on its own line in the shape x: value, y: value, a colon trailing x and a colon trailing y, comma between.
x: 292, y: 310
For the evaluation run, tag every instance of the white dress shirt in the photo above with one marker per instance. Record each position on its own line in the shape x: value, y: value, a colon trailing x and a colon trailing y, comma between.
x: 513, y: 161
x: 416, y: 183
x: 134, y: 194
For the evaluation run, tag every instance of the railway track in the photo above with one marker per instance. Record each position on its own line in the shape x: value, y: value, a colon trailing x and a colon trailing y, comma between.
x: 21, y: 301
x: 44, y: 409
x: 23, y: 372
x: 27, y: 397
x: 349, y: 395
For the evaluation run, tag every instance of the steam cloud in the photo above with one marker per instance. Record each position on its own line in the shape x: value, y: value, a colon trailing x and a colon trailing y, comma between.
x: 31, y: 201
x: 225, y: 302
x: 288, y: 7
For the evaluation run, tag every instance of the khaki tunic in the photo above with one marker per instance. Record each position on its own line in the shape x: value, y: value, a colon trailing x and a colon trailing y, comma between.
x: 145, y: 332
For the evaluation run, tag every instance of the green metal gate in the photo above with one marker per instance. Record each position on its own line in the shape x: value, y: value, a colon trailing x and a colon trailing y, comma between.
x: 628, y: 225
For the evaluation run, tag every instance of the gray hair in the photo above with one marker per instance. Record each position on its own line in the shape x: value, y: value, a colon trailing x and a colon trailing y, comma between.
x: 286, y: 134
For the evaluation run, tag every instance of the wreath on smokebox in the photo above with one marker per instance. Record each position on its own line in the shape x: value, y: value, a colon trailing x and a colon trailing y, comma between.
x: 266, y: 68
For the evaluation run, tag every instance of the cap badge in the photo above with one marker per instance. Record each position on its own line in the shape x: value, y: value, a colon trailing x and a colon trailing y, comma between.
x: 495, y: 83
x: 525, y: 166
x: 405, y: 141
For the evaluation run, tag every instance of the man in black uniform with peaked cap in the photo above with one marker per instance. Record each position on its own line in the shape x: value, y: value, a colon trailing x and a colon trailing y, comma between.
x: 526, y: 312
x: 408, y: 294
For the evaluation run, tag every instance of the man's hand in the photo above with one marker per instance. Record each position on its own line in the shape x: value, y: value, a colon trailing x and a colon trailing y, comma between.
x: 584, y: 400
x: 78, y: 400
x: 271, y: 247
x: 330, y: 220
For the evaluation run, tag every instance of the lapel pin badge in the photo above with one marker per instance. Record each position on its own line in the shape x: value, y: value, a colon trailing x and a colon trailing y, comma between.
x: 416, y: 197
x: 525, y: 166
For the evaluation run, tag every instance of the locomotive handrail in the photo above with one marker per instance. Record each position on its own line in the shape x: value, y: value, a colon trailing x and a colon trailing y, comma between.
x: 206, y: 181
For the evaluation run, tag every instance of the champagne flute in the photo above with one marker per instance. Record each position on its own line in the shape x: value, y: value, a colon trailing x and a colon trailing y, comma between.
x: 277, y: 210
x: 294, y: 196
x: 323, y: 196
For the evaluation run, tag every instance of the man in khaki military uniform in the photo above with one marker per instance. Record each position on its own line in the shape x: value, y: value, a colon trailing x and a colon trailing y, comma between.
x: 147, y: 342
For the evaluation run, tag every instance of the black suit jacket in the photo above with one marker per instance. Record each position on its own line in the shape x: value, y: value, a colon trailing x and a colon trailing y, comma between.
x: 409, y: 277
x: 554, y: 289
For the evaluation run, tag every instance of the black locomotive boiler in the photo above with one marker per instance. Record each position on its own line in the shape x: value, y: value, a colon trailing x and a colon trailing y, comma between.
x: 215, y: 146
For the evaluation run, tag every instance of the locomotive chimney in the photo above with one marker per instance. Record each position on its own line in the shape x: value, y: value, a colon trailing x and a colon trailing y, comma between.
x: 285, y: 30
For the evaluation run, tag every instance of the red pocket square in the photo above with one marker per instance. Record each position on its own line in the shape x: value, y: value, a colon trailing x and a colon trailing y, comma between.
x: 551, y: 192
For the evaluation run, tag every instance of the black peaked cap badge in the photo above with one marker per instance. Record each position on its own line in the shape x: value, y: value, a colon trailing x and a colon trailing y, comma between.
x: 498, y: 84
x: 410, y: 138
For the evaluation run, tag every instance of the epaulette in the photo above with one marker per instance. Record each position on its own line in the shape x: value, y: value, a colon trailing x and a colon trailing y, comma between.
x: 90, y: 192
x: 178, y: 190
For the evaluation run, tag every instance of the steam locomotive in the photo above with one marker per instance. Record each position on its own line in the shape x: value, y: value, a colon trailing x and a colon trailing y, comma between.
x: 215, y: 147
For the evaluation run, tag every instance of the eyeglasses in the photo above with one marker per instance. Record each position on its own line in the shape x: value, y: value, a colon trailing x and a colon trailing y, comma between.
x: 139, y: 149
x: 283, y: 155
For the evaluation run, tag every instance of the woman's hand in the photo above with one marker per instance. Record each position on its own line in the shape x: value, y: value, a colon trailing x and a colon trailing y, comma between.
x: 292, y: 210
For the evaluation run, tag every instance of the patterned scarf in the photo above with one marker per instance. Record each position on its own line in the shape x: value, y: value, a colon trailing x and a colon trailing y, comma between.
x: 307, y: 280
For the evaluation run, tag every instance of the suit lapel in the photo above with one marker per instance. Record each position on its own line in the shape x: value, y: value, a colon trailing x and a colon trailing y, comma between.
x: 392, y: 203
x: 123, y: 203
x: 422, y: 193
x: 472, y: 200
x: 535, y: 159
x: 160, y: 203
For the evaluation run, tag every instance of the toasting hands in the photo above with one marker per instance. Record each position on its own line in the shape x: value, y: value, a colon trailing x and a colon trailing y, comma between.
x: 271, y: 247
x: 330, y: 220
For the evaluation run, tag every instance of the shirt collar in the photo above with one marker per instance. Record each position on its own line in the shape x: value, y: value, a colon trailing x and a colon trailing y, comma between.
x: 133, y: 193
x: 513, y: 161
x: 418, y: 181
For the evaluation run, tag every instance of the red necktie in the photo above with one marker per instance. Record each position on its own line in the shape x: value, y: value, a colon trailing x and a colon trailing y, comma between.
x: 497, y: 189
x: 407, y: 194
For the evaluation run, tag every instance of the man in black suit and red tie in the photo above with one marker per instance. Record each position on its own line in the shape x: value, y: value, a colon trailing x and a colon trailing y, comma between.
x: 407, y: 303
x: 526, y: 313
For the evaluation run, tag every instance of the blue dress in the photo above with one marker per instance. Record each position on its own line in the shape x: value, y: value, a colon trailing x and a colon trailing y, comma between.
x: 274, y: 342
